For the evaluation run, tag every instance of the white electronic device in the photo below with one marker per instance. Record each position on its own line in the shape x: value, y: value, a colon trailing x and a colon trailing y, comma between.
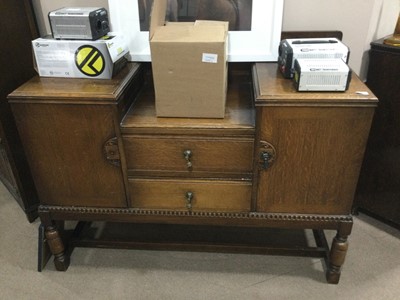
x: 321, y: 75
x: 313, y: 48
x: 79, y: 23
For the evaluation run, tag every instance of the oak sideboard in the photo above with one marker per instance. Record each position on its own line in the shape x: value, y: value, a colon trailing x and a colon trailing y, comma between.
x: 279, y: 158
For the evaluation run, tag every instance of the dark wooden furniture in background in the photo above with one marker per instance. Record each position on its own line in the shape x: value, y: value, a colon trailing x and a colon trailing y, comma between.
x: 378, y: 190
x: 17, y: 31
x: 312, y: 34
x: 279, y: 159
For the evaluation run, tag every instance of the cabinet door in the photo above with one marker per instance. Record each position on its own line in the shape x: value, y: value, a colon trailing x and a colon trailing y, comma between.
x: 318, y: 155
x: 65, y: 149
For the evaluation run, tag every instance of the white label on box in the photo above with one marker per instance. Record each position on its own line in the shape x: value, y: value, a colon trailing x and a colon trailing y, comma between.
x: 210, y: 58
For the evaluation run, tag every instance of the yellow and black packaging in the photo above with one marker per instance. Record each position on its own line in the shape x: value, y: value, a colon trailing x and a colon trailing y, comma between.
x: 100, y: 59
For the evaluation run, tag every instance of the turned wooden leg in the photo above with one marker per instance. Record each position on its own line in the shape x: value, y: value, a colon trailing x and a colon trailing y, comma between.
x: 56, y: 245
x: 336, y: 258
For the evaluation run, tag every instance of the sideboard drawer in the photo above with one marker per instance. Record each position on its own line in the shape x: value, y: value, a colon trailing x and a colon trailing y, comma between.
x: 206, y: 195
x: 166, y: 153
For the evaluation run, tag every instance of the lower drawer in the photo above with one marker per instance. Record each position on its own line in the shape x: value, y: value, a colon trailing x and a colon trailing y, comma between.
x: 196, y: 195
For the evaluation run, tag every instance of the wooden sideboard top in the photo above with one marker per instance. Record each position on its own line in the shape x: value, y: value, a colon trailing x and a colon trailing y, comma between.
x: 239, y: 114
x: 272, y: 88
x: 73, y: 90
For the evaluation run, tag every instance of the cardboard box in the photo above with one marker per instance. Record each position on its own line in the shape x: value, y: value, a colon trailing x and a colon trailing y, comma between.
x: 189, y: 62
x: 100, y: 59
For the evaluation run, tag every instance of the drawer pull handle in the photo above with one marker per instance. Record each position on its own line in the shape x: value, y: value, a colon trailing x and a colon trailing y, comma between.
x: 189, y: 198
x: 188, y: 155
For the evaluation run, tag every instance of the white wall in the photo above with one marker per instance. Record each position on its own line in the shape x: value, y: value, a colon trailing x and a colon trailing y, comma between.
x: 361, y: 21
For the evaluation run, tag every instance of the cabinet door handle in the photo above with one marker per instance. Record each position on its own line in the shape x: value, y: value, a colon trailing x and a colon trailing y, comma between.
x: 189, y: 199
x: 187, y: 154
x: 111, y: 152
x: 267, y: 155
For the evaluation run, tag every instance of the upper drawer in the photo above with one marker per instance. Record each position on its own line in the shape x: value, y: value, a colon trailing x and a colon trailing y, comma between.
x: 189, y: 155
